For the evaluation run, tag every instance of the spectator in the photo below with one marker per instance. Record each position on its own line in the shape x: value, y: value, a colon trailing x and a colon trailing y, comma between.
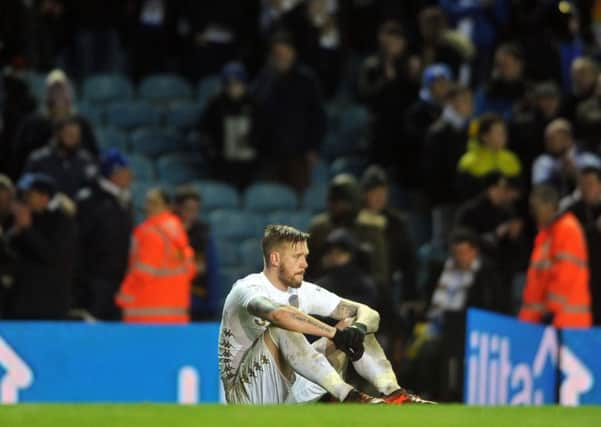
x: 494, y: 217
x: 528, y: 123
x: 205, y: 285
x: 228, y: 124
x: 37, y: 129
x: 401, y: 249
x: 558, y: 277
x: 44, y: 240
x: 587, y: 208
x: 343, y: 212
x: 156, y: 288
x: 506, y: 85
x: 387, y: 83
x: 418, y: 119
x: 7, y: 259
x: 587, y: 122
x: 584, y: 73
x: 468, y: 280
x: 65, y: 159
x: 291, y: 119
x: 445, y: 143
x: 343, y: 273
x: 560, y: 164
x: 486, y: 154
x: 105, y: 220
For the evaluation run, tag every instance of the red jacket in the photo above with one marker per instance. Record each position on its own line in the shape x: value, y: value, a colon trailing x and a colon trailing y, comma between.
x: 156, y: 288
x: 558, y: 276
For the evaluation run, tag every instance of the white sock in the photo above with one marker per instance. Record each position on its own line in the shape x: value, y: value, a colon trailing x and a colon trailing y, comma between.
x: 375, y: 367
x: 309, y: 363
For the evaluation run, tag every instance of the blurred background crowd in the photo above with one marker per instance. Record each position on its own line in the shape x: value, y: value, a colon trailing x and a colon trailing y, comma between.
x: 442, y: 154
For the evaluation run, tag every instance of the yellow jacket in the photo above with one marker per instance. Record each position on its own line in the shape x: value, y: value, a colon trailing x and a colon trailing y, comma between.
x: 479, y: 160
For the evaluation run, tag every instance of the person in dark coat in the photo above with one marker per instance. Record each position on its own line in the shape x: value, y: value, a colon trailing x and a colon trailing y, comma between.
x: 227, y: 122
x: 7, y: 257
x: 105, y: 220
x: 587, y: 208
x: 446, y: 141
x: 44, y: 240
x: 584, y: 73
x: 37, y: 129
x: 65, y: 160
x: 291, y: 119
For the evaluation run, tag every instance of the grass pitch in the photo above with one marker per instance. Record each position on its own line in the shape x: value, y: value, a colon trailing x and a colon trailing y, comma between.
x: 150, y: 415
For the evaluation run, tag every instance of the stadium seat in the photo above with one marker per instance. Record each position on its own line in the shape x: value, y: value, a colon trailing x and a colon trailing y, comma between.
x: 234, y: 225
x: 110, y: 137
x: 105, y: 88
x: 208, y: 87
x: 429, y: 259
x: 351, y: 165
x: 93, y: 113
x: 320, y: 174
x: 251, y: 255
x: 315, y: 198
x: 183, y: 116
x: 227, y: 252
x: 228, y: 276
x: 153, y: 142
x: 164, y: 88
x: 353, y: 121
x: 36, y: 83
x: 181, y: 168
x: 129, y: 115
x: 142, y: 168
x: 217, y: 195
x: 297, y: 219
x: 268, y: 197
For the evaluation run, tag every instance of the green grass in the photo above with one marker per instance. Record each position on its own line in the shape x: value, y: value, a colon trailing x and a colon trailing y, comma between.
x: 148, y: 415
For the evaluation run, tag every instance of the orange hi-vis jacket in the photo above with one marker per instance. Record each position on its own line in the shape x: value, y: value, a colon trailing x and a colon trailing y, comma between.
x: 156, y: 288
x: 558, y: 276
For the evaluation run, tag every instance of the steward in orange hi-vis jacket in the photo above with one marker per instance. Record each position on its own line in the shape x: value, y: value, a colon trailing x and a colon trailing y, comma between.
x: 156, y: 288
x: 558, y: 276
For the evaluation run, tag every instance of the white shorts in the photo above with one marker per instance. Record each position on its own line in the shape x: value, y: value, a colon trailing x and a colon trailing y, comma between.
x: 259, y: 380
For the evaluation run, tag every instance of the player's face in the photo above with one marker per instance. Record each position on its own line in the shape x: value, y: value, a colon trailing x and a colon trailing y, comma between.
x: 293, y: 263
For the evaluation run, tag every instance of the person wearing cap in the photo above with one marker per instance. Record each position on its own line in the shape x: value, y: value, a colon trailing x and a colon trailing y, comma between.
x: 486, y: 153
x: 343, y: 206
x: 290, y: 122
x: 419, y: 117
x: 586, y: 206
x: 343, y: 271
x: 37, y: 130
x: 105, y: 220
x: 560, y: 164
x: 387, y: 85
x: 227, y: 123
x: 65, y: 159
x: 493, y: 216
x: 44, y: 239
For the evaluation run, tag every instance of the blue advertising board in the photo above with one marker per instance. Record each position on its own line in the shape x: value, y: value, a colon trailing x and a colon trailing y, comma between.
x: 580, y: 364
x: 76, y: 362
x: 508, y: 361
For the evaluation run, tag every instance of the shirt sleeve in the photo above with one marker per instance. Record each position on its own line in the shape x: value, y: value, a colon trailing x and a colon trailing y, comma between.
x: 317, y: 300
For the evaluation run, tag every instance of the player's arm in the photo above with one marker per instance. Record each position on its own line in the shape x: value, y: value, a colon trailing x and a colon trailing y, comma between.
x: 363, y: 314
x: 289, y: 318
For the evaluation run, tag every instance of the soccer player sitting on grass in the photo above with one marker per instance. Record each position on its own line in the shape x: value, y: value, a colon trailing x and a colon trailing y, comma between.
x: 264, y: 358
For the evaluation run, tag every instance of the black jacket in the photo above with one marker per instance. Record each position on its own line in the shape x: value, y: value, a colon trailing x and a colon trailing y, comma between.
x: 44, y: 268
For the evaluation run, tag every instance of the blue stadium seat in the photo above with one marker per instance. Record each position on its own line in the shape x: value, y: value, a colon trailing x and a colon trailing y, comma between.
x: 93, y: 113
x: 228, y: 276
x: 351, y: 165
x: 426, y: 257
x: 129, y: 115
x: 111, y: 137
x: 267, y: 197
x: 183, y: 116
x: 142, y: 168
x: 320, y: 174
x: 217, y: 195
x: 104, y: 88
x: 228, y: 253
x: 153, y: 142
x: 251, y: 254
x: 234, y: 225
x: 208, y: 87
x: 297, y: 219
x: 37, y: 84
x: 353, y: 121
x: 315, y: 198
x: 181, y: 168
x: 164, y: 88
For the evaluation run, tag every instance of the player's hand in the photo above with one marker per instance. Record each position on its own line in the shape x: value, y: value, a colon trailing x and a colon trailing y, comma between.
x: 350, y: 341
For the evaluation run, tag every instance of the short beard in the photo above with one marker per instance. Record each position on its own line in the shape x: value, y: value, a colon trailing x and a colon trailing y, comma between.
x: 288, y: 281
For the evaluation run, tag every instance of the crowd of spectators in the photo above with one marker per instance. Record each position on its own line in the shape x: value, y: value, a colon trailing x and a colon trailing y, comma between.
x: 482, y: 139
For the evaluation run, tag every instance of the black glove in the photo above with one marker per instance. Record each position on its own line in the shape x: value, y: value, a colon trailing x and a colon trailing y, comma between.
x: 350, y: 341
